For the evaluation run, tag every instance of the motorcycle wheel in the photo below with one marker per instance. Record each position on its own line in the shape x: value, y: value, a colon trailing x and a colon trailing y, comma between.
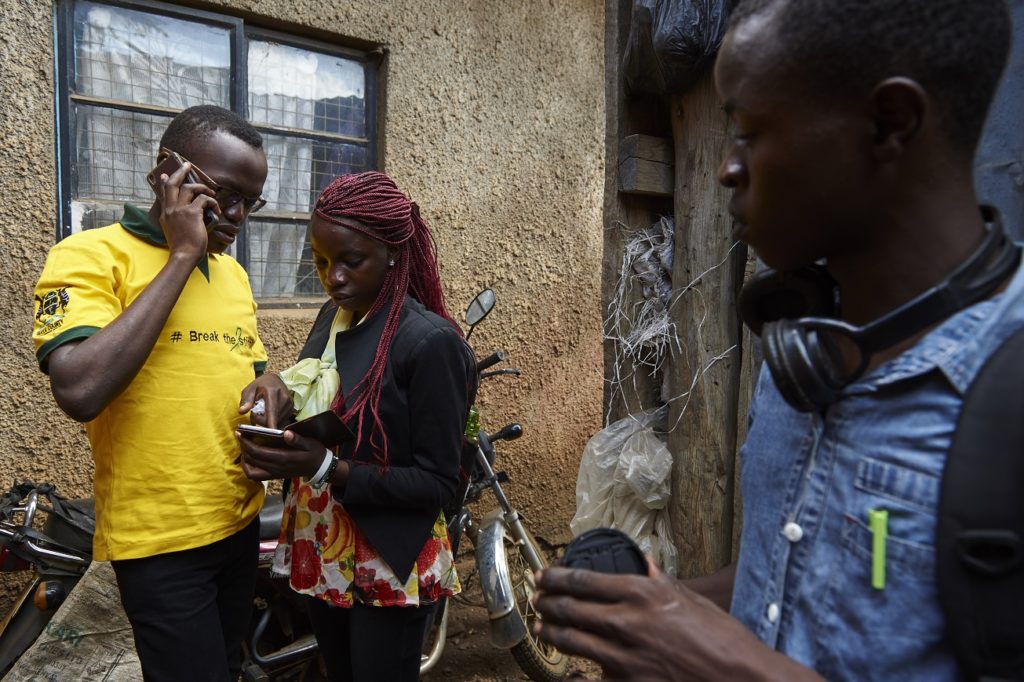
x: 541, y: 661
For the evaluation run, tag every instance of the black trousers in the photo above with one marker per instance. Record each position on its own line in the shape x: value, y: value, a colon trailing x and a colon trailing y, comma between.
x: 370, y: 643
x: 189, y: 610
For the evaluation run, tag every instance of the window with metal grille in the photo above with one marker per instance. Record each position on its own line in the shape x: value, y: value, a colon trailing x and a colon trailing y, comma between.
x: 126, y: 67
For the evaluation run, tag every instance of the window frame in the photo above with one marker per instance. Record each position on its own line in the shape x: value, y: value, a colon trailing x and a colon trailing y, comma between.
x: 241, y: 33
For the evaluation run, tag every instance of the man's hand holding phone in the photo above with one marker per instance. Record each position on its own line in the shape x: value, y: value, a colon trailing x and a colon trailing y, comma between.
x: 187, y: 206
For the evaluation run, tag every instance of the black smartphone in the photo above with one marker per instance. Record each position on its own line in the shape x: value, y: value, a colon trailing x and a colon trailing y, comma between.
x: 169, y: 165
x: 325, y: 427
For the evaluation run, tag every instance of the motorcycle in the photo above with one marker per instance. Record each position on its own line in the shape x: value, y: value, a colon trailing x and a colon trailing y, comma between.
x: 58, y: 555
x: 507, y: 556
x: 280, y: 645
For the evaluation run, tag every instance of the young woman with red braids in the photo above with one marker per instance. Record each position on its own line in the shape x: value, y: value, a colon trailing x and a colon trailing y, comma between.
x: 363, y: 533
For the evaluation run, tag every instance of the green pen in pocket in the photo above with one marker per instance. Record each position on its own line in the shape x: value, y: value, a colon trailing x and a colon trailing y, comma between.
x: 878, y: 521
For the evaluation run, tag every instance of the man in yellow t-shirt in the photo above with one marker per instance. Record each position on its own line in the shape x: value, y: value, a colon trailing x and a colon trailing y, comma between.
x: 148, y: 333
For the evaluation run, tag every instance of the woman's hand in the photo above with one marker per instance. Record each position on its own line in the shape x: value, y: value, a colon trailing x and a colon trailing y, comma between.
x: 277, y: 399
x: 298, y: 456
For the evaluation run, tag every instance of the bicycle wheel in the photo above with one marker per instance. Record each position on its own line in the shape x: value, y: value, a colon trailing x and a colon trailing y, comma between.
x: 541, y: 661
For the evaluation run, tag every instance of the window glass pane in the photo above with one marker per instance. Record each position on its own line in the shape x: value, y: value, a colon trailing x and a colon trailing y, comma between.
x: 297, y: 88
x: 279, y: 260
x: 114, y: 151
x: 150, y: 59
x: 299, y: 168
x: 89, y: 214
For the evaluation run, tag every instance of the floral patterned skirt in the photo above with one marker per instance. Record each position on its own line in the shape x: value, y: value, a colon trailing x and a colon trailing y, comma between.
x: 325, y: 556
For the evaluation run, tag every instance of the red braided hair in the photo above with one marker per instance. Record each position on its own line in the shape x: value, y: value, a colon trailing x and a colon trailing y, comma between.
x: 385, y: 214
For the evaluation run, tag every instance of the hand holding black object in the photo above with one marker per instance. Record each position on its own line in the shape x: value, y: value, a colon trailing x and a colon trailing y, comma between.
x: 651, y: 627
x: 300, y: 457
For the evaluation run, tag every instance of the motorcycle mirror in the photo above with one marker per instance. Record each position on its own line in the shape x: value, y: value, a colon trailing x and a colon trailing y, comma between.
x: 479, y: 307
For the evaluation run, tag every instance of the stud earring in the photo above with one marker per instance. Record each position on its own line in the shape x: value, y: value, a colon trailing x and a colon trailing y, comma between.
x: 391, y: 263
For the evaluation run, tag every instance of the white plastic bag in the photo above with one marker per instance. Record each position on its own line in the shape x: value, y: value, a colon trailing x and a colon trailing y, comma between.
x: 624, y: 483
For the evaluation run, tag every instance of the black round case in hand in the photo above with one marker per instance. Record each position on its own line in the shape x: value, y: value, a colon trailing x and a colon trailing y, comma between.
x: 605, y: 550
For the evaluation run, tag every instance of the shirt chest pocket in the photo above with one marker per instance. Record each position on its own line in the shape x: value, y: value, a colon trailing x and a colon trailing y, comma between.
x: 910, y: 499
x: 903, y: 614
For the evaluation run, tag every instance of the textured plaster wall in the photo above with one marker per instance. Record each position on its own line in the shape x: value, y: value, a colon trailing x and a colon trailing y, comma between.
x: 492, y: 121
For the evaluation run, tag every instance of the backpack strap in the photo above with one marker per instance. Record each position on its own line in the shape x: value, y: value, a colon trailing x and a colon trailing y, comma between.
x: 980, y: 534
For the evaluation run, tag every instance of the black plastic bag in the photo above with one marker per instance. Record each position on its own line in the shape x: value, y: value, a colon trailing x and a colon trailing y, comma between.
x: 671, y: 43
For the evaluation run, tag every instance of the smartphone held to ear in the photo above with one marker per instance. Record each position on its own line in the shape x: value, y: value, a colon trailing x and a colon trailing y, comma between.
x: 168, y: 166
x: 326, y: 427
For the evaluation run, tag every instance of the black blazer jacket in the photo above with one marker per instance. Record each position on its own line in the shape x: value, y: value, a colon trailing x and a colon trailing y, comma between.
x: 424, y: 404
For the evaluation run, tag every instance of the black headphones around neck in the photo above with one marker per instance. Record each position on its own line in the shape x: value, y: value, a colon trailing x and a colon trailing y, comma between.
x: 790, y: 310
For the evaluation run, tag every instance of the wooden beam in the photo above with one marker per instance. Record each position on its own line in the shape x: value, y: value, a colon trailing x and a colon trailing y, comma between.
x: 646, y: 166
x: 658, y: 149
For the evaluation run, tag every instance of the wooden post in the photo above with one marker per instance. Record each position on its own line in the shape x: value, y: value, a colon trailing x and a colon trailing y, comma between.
x: 705, y: 377
x: 629, y: 387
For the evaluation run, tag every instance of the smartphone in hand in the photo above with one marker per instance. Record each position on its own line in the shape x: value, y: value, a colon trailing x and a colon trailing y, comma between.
x: 169, y: 165
x: 263, y: 435
x: 326, y: 427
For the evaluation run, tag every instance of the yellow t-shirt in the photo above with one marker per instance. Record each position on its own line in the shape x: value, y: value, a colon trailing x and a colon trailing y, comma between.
x: 164, y: 449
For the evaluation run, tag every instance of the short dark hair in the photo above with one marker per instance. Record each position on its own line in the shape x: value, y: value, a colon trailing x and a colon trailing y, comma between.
x: 955, y: 49
x: 196, y: 125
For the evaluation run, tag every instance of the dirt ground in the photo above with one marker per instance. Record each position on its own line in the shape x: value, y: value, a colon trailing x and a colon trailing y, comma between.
x: 468, y: 655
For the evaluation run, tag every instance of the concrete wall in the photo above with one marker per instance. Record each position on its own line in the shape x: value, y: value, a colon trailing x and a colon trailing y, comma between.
x: 492, y: 120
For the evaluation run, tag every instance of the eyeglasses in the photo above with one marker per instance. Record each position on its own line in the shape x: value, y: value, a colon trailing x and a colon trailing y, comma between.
x: 225, y: 196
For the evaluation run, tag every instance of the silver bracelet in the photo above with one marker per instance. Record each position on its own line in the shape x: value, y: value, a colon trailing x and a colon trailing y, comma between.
x: 317, y: 479
x: 326, y: 478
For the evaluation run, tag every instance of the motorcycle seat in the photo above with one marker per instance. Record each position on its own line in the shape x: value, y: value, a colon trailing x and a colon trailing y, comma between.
x: 270, y: 517
x: 73, y: 532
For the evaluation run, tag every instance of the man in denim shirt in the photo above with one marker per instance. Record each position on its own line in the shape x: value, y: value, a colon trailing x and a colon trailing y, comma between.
x: 856, y: 124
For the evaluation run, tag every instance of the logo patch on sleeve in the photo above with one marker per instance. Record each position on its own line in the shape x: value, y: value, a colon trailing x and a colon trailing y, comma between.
x: 52, y: 305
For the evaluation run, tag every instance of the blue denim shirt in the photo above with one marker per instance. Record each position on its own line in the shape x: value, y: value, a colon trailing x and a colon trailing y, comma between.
x: 803, y: 580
